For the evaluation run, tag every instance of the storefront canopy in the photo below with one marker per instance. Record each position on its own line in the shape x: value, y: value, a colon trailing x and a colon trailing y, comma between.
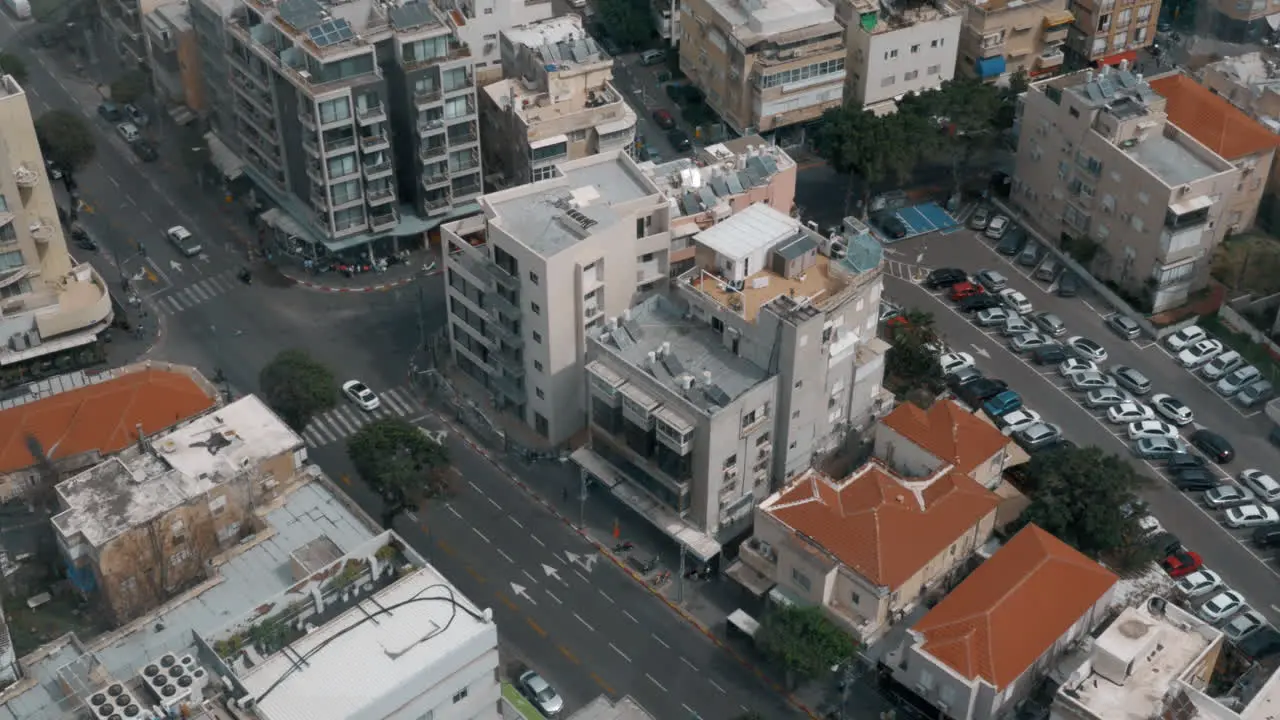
x: 990, y: 67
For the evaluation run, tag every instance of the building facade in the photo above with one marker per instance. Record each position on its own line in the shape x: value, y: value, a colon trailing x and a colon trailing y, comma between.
x: 317, y: 93
x: 764, y: 64
x: 900, y: 48
x: 1242, y: 21
x: 1251, y: 82
x: 479, y: 25
x: 1105, y: 32
x: 919, y: 443
x: 1098, y: 159
x: 557, y: 102
x: 124, y: 27
x: 1001, y: 38
x: 173, y: 56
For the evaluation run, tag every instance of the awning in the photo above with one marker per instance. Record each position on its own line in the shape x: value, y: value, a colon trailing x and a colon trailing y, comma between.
x: 616, y: 126
x: 749, y: 578
x: 547, y: 142
x: 1274, y: 21
x: 1199, y: 202
x: 990, y: 67
x: 280, y: 220
x: 1130, y: 55
x: 222, y: 157
x: 1058, y: 18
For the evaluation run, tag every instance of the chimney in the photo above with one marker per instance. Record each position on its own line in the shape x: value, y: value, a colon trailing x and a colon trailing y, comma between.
x: 706, y: 377
x: 1124, y: 65
x: 666, y: 348
x: 142, y: 438
x: 1139, y: 77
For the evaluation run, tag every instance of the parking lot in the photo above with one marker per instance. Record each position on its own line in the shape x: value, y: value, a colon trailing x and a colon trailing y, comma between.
x: 1230, y: 553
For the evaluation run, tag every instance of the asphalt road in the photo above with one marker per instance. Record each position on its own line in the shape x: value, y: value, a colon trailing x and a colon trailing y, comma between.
x: 1228, y: 552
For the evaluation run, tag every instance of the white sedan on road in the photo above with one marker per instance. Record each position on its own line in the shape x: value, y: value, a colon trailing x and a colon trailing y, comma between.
x: 1247, y: 516
x: 1222, y: 606
x: 1199, y: 353
x: 1200, y: 582
x: 361, y: 395
x: 1129, y: 412
x: 952, y: 362
x: 1151, y: 429
x: 1184, y: 337
x: 1090, y: 380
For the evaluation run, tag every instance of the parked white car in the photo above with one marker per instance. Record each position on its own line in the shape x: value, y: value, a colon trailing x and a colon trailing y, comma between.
x: 1087, y: 349
x: 1172, y: 409
x: 1075, y: 365
x: 1221, y: 365
x: 1198, y: 583
x: 1017, y: 301
x: 1248, y: 516
x: 1129, y: 412
x: 1226, y: 495
x: 1236, y: 380
x: 1184, y: 337
x: 1150, y: 429
x: 951, y: 362
x: 1222, y: 606
x: 1016, y: 420
x: 1199, y: 353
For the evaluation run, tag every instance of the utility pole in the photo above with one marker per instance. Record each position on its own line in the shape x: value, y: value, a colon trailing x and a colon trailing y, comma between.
x: 680, y: 581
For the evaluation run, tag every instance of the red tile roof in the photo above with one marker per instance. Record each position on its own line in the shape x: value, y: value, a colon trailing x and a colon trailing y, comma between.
x: 102, y: 417
x: 1013, y: 608
x: 1210, y: 119
x: 948, y: 432
x: 884, y: 528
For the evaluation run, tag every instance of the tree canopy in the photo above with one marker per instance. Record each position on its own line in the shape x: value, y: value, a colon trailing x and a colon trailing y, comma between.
x: 878, y: 150
x: 400, y: 463
x: 912, y: 360
x: 297, y: 387
x: 964, y: 111
x: 130, y: 87
x: 804, y: 641
x: 627, y: 22
x: 65, y: 138
x: 1081, y: 495
x: 13, y: 66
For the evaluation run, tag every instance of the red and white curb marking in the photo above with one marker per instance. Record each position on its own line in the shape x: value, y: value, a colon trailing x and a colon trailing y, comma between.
x: 371, y: 288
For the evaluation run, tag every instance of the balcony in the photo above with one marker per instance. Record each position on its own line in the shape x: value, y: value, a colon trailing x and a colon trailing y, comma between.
x: 423, y: 99
x: 25, y: 177
x: 510, y: 365
x: 436, y: 203
x: 377, y: 169
x: 759, y: 557
x: 374, y: 143
x: 992, y: 45
x: 462, y: 191
x: 430, y: 127
x: 316, y: 172
x: 308, y: 121
x: 379, y: 196
x: 41, y: 230
x: 507, y: 388
x: 309, y: 147
x: 434, y: 176
x: 332, y: 147
x: 463, y: 138
x: 427, y: 152
x: 455, y: 51
x: 384, y: 221
x: 507, y: 335
x: 371, y: 115
x: 1050, y: 59
x: 494, y: 301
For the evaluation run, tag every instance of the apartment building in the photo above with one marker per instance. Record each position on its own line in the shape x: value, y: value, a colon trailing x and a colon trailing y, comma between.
x: 868, y: 548
x: 1108, y: 31
x: 1231, y: 134
x: 764, y: 64
x: 123, y: 24
x: 173, y: 57
x: 142, y: 526
x: 357, y: 120
x: 479, y: 25
x: 1251, y: 82
x: 919, y: 443
x: 666, y: 20
x: 1143, y: 665
x: 556, y: 102
x: 900, y: 47
x: 984, y: 648
x: 1242, y: 21
x: 1002, y: 38
x: 52, y: 310
x: 79, y: 428
x: 1098, y: 158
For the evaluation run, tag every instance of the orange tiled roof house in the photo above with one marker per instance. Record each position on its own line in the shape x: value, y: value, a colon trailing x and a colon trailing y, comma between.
x: 917, y: 443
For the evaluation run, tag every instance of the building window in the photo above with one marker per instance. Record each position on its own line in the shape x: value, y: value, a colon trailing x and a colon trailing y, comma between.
x: 888, y: 80
x: 537, y: 366
x: 217, y: 505
x: 910, y: 75
x: 549, y: 152
x: 533, y: 277
x: 915, y: 49
x: 455, y: 79
x: 794, y: 75
x: 855, y: 598
x: 890, y: 54
x: 537, y: 337
x: 544, y: 173
x: 179, y: 556
x: 335, y: 110
x: 536, y: 308
x: 538, y: 391
x: 800, y: 579
x: 10, y: 260
x: 460, y: 696
x: 1074, y: 112
x: 934, y: 70
x: 4, y: 204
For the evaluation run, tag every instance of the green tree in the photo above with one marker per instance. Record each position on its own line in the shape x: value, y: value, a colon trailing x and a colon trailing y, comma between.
x: 65, y: 138
x: 13, y: 65
x: 297, y: 387
x: 400, y: 463
x: 628, y: 22
x: 912, y: 361
x: 965, y: 112
x: 803, y: 642
x: 872, y: 150
x: 130, y: 87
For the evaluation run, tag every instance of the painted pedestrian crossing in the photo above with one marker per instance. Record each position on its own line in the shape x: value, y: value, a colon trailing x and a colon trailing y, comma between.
x: 344, y: 420
x: 201, y: 291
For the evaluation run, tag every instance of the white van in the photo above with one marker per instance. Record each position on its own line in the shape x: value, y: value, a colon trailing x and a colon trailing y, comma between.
x: 21, y: 9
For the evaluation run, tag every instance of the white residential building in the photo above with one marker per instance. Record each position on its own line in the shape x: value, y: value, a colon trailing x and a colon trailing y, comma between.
x: 482, y: 22
x: 899, y: 47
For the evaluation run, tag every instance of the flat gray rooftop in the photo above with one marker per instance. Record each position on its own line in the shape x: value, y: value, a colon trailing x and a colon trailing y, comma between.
x: 539, y: 216
x: 694, y: 349
x: 1172, y: 162
x: 259, y: 573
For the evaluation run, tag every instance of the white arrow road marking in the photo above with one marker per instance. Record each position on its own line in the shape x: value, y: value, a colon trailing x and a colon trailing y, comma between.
x: 522, y: 592
x: 554, y: 573
x: 174, y: 264
x: 204, y: 258
x: 980, y: 351
x: 586, y: 561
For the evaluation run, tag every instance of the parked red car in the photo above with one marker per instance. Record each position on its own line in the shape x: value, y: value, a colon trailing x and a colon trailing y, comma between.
x: 1182, y: 563
x: 664, y: 119
x: 962, y: 290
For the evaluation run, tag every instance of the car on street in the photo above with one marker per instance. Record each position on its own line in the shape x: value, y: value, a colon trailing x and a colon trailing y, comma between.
x: 1200, y: 582
x: 992, y: 280
x: 129, y: 132
x: 979, y: 391
x: 891, y: 225
x: 1106, y: 398
x: 997, y: 227
x: 1090, y: 380
x: 1258, y: 391
x: 1150, y: 428
x: 1251, y: 516
x: 1183, y: 460
x: 1262, y: 485
x: 1129, y: 412
x: 110, y: 112
x: 136, y: 115
x: 945, y: 278
x: 984, y: 301
x: 1244, y: 624
x: 1002, y: 403
x: 1016, y: 301
x: 1172, y: 409
x: 1017, y: 420
x: 951, y: 362
x: 1130, y: 379
x: 1181, y: 563
x: 1216, y: 368
x: 1199, y: 353
x: 1049, y: 354
x: 1051, y: 324
x: 1038, y: 435
x: 1068, y: 285
x: 540, y: 693
x: 361, y: 395
x: 993, y: 316
x: 1214, y: 445
x: 1237, y: 380
x: 182, y: 239
x: 1075, y: 365
x: 1157, y: 448
x: 1222, y: 606
x: 1227, y: 495
x: 1124, y: 326
x: 1015, y: 325
x: 1011, y: 244
x: 1087, y: 349
x: 979, y: 219
x: 889, y: 310
x: 1195, y: 479
x: 1260, y: 645
x: 1026, y: 342
x: 1186, y: 336
x: 679, y: 140
x: 962, y: 290
x: 145, y: 151
x: 664, y: 119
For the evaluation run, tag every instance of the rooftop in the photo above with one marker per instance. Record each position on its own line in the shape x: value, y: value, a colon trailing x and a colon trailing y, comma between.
x: 1252, y: 69
x: 881, y: 526
x: 1105, y: 86
x: 136, y: 486
x: 534, y: 105
x: 683, y: 353
x: 721, y: 171
x: 1013, y: 608
x: 102, y: 417
x: 1168, y: 158
x: 898, y: 14
x: 948, y: 432
x: 1211, y: 120
x: 1134, y: 662
x: 323, y: 27
x: 555, y: 214
x: 558, y: 41
x: 753, y: 20
x: 1050, y: 6
x: 9, y: 87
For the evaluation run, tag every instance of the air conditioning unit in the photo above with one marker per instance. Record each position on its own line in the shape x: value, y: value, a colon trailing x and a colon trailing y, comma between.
x: 765, y: 449
x: 115, y: 702
x: 174, y: 680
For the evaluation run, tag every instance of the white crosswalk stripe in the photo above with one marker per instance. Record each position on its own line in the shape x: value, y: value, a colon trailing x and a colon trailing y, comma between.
x: 345, y: 420
x: 200, y: 291
x: 397, y: 404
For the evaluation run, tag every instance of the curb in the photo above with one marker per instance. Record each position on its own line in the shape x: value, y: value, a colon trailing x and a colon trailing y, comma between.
x: 317, y: 287
x: 603, y: 550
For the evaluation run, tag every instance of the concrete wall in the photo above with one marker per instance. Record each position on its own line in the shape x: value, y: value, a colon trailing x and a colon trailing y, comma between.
x: 1020, y: 47
x: 888, y: 63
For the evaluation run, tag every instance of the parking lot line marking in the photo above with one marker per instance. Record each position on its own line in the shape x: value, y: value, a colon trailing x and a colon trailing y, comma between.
x: 504, y: 555
x: 517, y: 522
x: 615, y: 649
x: 689, y: 710
x: 655, y: 682
x: 482, y: 537
x: 660, y: 641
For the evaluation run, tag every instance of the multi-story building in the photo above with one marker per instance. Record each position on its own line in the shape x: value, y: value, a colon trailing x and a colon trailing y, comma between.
x: 123, y: 25
x: 556, y: 102
x: 897, y: 48
x: 142, y: 526
x: 1105, y: 31
x: 1251, y: 82
x: 666, y: 20
x: 1241, y: 21
x: 480, y: 24
x: 764, y: 64
x: 51, y: 309
x: 315, y: 96
x: 1098, y: 159
x: 981, y: 650
x: 9, y: 671
x: 1002, y: 38
x: 173, y: 56
x: 549, y: 260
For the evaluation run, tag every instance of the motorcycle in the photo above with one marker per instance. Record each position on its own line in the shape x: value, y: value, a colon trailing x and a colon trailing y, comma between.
x: 245, y: 276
